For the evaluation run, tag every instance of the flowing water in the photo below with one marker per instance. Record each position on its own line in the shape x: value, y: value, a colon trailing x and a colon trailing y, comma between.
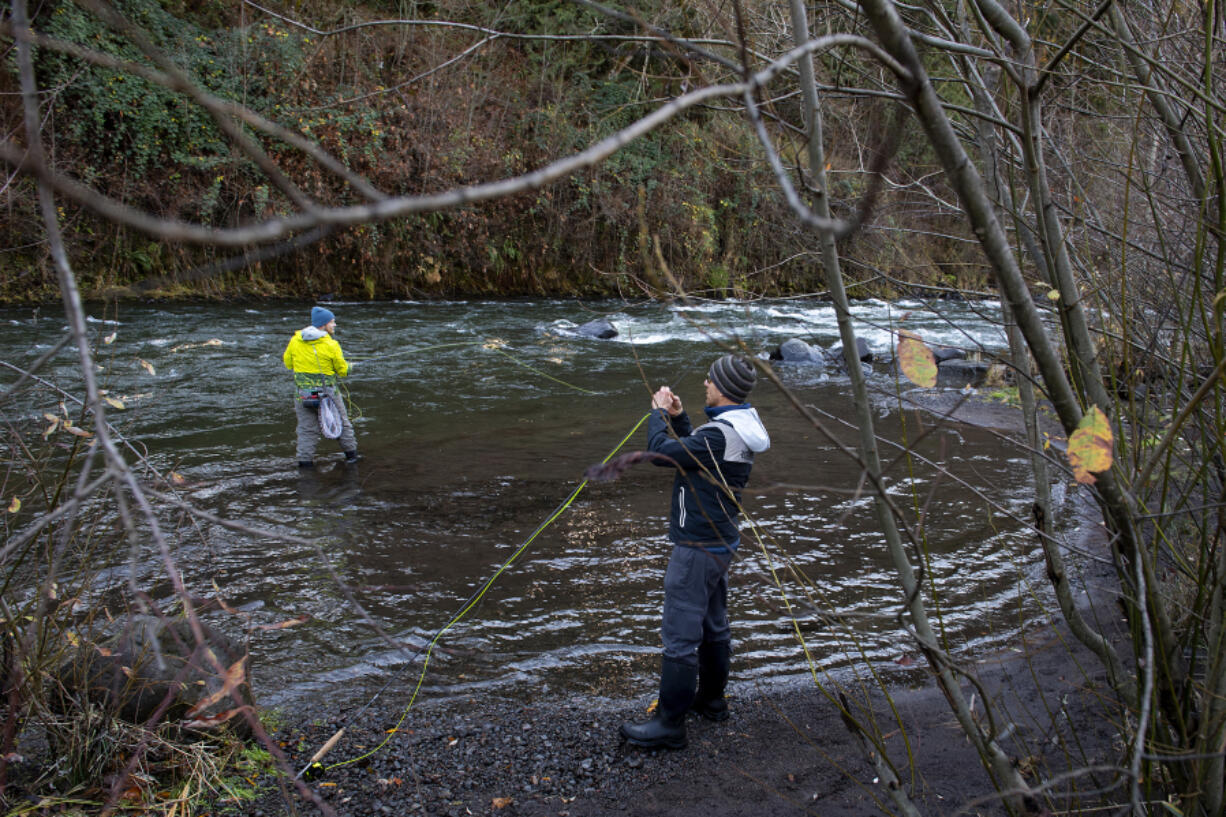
x: 469, y: 448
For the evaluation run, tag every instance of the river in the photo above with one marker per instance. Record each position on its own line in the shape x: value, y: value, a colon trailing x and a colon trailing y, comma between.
x: 471, y: 444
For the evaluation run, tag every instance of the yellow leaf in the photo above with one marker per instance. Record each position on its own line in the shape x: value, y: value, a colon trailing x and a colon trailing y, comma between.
x: 51, y: 428
x: 177, y: 479
x: 1090, y: 446
x: 916, y: 360
x: 72, y: 638
x: 80, y: 432
x: 111, y: 401
x: 1054, y: 295
x: 51, y: 417
x: 15, y: 505
x: 148, y: 367
x: 109, y: 339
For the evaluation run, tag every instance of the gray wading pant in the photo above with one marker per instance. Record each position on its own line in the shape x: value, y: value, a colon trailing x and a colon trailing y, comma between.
x: 309, y: 431
x: 695, y: 602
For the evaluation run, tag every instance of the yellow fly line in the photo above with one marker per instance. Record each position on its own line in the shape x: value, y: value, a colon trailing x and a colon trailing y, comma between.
x: 468, y: 606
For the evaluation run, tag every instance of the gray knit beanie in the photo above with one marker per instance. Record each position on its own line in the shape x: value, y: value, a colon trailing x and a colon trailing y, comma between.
x: 733, y: 376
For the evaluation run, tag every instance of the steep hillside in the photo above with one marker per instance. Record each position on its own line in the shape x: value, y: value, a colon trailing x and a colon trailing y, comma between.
x: 418, y: 107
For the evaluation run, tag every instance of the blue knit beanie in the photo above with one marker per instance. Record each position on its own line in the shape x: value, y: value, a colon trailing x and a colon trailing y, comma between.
x: 321, y: 317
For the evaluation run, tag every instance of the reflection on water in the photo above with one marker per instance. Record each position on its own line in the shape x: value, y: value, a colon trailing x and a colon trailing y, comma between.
x: 467, y: 451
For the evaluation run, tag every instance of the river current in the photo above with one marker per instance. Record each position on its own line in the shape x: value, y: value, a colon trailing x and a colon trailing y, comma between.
x: 476, y: 421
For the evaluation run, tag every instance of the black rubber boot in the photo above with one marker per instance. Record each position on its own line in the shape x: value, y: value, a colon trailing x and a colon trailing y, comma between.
x: 666, y: 729
x: 714, y: 660
x: 352, y: 456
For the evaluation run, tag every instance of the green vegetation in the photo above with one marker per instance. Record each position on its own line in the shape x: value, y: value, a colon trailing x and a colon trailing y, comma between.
x: 512, y: 106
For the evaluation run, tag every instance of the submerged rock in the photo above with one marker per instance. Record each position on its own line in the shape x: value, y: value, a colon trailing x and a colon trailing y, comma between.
x: 601, y: 328
x: 835, y: 355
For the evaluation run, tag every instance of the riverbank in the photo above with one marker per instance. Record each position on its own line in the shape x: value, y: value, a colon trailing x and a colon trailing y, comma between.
x: 784, y: 751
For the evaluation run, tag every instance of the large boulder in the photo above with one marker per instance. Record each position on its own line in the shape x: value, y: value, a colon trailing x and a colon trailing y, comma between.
x: 958, y: 374
x: 797, y: 351
x: 945, y: 353
x: 150, y: 661
x: 601, y: 328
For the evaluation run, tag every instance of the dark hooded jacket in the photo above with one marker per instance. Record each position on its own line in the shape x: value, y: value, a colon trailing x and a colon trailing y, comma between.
x: 713, y: 465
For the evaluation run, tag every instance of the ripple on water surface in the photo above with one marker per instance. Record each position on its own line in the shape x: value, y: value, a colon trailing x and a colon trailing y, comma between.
x: 469, y: 448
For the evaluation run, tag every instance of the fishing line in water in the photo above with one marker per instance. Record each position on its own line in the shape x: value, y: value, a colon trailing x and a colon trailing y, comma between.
x: 415, y: 350
x: 493, y: 345
x: 496, y: 346
x: 465, y: 609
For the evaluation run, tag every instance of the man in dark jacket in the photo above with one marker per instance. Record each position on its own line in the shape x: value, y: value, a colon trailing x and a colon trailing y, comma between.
x: 712, y: 465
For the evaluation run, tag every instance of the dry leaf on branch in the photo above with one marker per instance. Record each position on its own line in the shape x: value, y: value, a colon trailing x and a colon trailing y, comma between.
x: 1090, y: 446
x: 916, y: 360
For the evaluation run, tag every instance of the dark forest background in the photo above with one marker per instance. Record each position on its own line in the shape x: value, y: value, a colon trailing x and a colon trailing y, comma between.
x: 399, y: 105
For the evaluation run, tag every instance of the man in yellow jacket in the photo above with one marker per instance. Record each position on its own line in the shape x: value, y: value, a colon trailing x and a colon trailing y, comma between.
x: 317, y: 361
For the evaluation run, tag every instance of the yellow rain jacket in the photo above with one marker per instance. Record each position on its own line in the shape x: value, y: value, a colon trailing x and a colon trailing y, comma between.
x: 315, y: 358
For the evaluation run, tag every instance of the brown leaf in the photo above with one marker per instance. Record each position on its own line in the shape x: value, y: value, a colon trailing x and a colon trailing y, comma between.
x: 235, y: 676
x: 281, y: 625
x: 213, y: 720
x: 501, y: 802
